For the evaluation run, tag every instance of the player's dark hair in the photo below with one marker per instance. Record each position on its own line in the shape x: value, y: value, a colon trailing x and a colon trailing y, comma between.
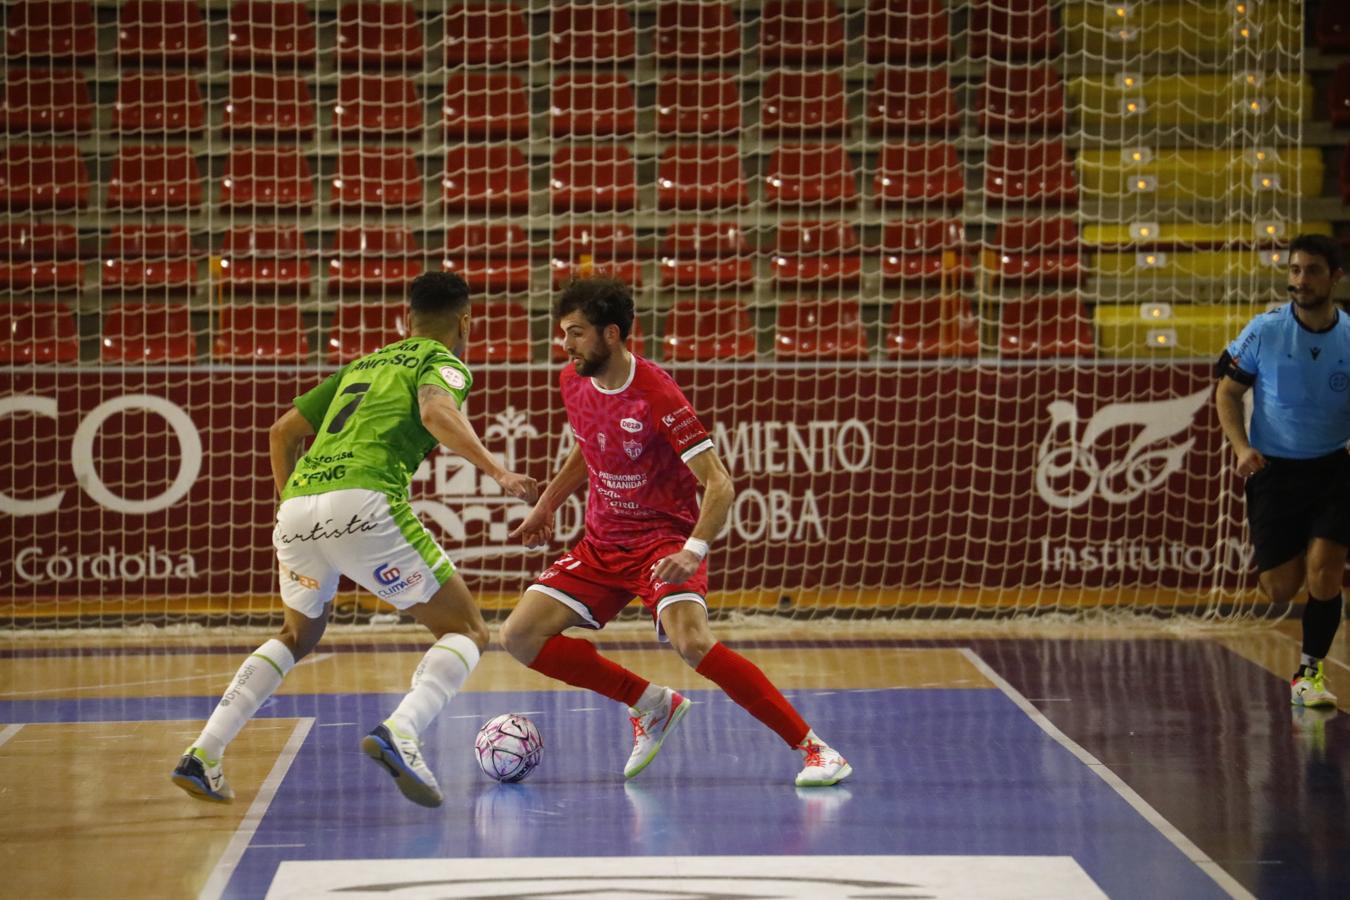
x: 603, y: 301
x: 1318, y: 245
x: 438, y: 294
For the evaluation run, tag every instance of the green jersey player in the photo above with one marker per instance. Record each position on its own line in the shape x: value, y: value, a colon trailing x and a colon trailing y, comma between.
x: 345, y: 511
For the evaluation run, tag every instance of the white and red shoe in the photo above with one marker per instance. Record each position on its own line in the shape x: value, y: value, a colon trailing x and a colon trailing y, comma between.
x: 822, y: 765
x: 652, y: 727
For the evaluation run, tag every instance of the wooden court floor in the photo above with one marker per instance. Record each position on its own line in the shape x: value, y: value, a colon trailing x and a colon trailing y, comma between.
x: 1156, y: 763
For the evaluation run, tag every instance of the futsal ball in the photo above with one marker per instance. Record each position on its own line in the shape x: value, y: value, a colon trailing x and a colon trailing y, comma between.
x: 508, y: 747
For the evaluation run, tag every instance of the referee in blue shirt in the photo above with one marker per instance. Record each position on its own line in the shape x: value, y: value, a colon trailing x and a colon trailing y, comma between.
x: 1297, y: 361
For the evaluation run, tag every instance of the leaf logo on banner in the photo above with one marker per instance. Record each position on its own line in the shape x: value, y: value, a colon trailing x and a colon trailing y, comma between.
x: 1066, y: 460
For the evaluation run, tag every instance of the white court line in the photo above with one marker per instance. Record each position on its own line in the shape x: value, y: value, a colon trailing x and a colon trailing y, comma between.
x: 229, y: 860
x: 1225, y: 881
x: 121, y: 684
x: 1334, y: 662
x: 8, y: 732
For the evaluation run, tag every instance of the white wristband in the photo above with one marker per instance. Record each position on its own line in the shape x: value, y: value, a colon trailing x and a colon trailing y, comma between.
x: 697, y: 547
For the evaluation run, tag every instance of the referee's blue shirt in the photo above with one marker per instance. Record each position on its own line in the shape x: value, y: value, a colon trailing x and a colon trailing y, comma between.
x: 1301, y: 383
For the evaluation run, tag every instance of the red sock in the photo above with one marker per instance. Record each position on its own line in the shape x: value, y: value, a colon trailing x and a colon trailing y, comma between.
x: 578, y: 663
x: 746, y: 684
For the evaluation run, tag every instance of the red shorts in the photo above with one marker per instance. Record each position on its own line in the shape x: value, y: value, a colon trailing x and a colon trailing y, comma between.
x: 597, y: 585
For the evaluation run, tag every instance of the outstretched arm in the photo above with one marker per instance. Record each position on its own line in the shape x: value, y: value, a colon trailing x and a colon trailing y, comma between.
x: 537, y: 527
x: 448, y: 424
x: 286, y: 440
x: 718, y: 494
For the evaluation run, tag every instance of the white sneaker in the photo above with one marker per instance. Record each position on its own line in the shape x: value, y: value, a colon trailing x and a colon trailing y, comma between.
x: 401, y: 756
x: 651, y: 728
x: 1310, y: 688
x: 822, y: 765
x: 201, y: 777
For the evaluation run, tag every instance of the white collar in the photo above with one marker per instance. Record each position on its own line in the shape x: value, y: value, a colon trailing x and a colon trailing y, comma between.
x: 632, y: 370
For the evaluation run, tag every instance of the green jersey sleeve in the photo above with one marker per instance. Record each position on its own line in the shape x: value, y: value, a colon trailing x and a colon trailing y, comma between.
x: 313, y: 404
x: 444, y: 370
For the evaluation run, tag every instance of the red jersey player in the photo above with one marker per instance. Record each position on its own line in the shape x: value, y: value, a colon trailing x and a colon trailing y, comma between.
x: 645, y: 454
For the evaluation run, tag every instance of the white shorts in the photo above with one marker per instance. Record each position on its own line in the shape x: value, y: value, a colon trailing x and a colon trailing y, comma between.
x: 377, y: 542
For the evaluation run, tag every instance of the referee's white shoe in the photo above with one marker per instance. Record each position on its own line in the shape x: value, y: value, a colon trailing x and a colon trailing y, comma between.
x: 401, y: 756
x: 1309, y: 687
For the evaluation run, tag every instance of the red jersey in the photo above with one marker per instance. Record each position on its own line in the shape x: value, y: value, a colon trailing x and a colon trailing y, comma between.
x: 636, y: 441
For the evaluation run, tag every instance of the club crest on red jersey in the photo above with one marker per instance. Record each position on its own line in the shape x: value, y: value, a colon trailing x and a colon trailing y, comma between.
x: 632, y: 448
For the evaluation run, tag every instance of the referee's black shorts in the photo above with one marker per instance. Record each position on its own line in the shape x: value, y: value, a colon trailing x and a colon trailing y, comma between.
x: 1292, y: 501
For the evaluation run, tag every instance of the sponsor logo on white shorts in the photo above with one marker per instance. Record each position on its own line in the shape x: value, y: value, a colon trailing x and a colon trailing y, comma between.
x: 632, y: 426
x: 388, y: 574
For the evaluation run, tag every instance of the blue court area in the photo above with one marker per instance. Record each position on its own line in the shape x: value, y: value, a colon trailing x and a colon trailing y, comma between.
x: 938, y: 773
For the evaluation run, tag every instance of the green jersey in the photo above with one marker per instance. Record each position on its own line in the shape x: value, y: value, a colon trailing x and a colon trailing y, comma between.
x: 367, y: 420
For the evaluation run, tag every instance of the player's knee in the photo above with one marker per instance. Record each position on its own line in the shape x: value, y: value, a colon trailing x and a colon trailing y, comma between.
x: 519, y: 641
x: 693, y: 644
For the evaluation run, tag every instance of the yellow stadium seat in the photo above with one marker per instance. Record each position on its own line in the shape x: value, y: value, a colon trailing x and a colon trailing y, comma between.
x: 1209, y: 29
x: 1198, y: 175
x: 1130, y: 100
x: 1190, y: 264
x: 1196, y: 234
x: 1139, y: 329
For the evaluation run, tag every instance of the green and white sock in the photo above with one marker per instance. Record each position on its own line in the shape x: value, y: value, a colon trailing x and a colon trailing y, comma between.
x: 439, y: 676
x: 259, y: 676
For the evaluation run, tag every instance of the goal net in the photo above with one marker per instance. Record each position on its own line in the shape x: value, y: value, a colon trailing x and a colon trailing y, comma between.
x: 943, y: 279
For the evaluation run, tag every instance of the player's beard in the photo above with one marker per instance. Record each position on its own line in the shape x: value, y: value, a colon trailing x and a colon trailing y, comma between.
x: 592, y: 364
x: 1310, y: 301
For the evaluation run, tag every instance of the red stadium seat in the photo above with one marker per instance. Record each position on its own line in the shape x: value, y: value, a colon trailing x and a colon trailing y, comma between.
x: 1338, y: 96
x: 154, y: 176
x: 45, y: 101
x: 377, y: 104
x: 592, y: 33
x: 802, y: 105
x: 147, y: 258
x: 38, y: 256
x: 706, y: 255
x: 271, y: 35
x: 1332, y: 31
x: 486, y: 105
x: 1041, y: 250
x: 1020, y: 99
x: 37, y: 333
x: 819, y: 329
x: 1044, y: 327
x: 919, y: 174
x: 42, y: 176
x: 925, y: 251
x: 810, y: 175
x: 486, y: 178
x: 580, y: 251
x: 701, y: 176
x: 1012, y: 29
x: 266, y: 260
x: 499, y: 333
x: 153, y: 333
x: 373, y: 260
x: 260, y: 334
x: 492, y: 258
x: 159, y: 32
x: 359, y: 329
x: 708, y: 329
x: 905, y: 101
x: 932, y: 328
x: 1030, y: 173
x: 267, y: 178
x: 269, y: 105
x: 693, y: 33
x: 907, y: 33
x: 376, y: 35
x: 159, y: 102
x: 479, y: 34
x: 376, y: 178
x: 801, y: 31
x: 51, y: 29
x: 593, y: 178
x: 698, y: 103
x: 817, y: 253
x: 634, y: 342
x: 592, y: 105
